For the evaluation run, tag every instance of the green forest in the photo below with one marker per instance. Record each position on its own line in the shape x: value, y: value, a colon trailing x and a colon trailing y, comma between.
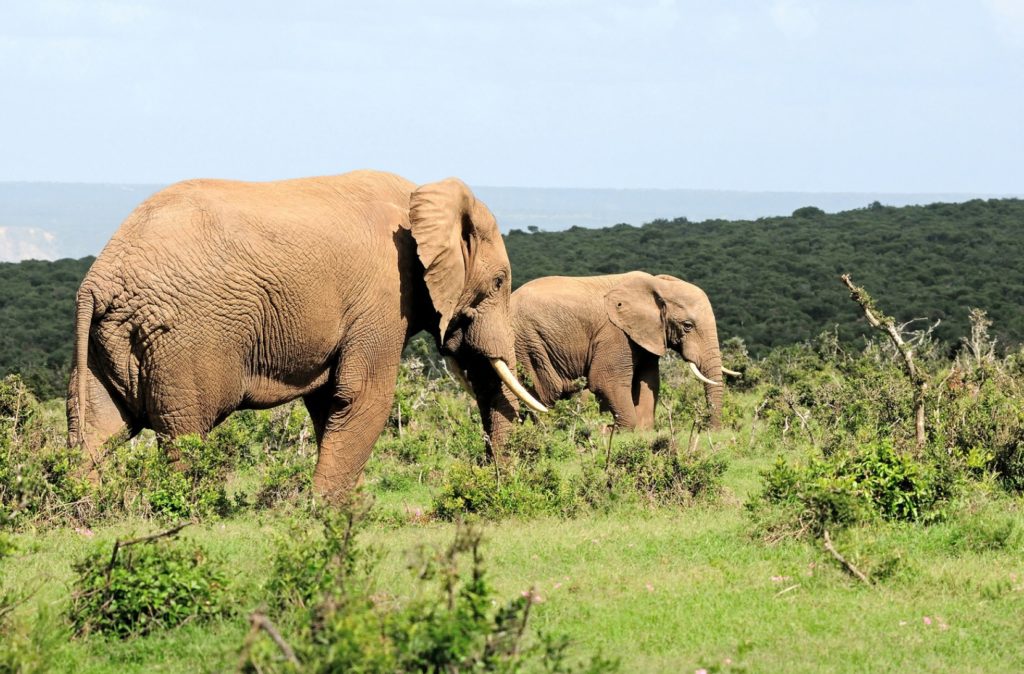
x: 773, y: 281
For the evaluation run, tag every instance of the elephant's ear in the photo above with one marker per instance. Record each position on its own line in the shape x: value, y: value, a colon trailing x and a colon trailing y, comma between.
x: 440, y: 217
x: 635, y: 307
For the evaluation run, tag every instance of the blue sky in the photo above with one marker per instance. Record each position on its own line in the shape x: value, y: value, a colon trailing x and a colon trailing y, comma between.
x: 896, y: 96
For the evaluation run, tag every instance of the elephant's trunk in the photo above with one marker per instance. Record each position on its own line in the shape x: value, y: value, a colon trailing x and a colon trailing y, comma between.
x: 711, y: 367
x: 499, y: 406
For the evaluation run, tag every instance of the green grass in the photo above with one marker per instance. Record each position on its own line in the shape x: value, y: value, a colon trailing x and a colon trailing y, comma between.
x: 665, y: 589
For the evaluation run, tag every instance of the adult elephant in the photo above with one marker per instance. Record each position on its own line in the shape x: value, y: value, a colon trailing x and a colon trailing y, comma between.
x: 612, y: 330
x: 219, y: 295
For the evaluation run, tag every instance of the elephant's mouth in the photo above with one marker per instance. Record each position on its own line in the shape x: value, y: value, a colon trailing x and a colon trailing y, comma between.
x: 504, y: 373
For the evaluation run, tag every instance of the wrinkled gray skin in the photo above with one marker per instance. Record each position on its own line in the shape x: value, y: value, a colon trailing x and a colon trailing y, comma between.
x: 215, y: 296
x: 612, y: 330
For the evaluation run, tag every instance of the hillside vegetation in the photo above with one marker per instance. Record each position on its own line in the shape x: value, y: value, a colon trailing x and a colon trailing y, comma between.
x: 773, y: 281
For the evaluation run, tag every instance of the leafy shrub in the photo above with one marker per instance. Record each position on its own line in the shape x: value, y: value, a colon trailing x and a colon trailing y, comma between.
x: 520, y: 489
x: 286, y: 478
x: 194, y: 488
x: 41, y: 485
x: 875, y: 481
x: 736, y: 357
x: 145, y: 587
x: 311, y: 565
x: 410, y: 448
x: 451, y: 623
x: 657, y: 472
x: 37, y: 480
x: 531, y: 442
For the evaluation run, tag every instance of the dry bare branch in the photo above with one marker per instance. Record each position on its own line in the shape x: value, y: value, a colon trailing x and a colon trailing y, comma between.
x: 887, y: 325
x: 853, y: 570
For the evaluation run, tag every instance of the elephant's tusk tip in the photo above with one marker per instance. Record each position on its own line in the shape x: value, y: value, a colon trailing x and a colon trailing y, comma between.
x: 731, y: 373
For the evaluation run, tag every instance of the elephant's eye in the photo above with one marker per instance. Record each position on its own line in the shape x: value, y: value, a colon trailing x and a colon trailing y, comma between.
x: 499, y: 281
x: 688, y: 326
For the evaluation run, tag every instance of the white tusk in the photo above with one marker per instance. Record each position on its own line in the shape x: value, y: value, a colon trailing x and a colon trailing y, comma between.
x: 510, y: 381
x: 456, y: 371
x: 698, y: 375
x: 731, y: 373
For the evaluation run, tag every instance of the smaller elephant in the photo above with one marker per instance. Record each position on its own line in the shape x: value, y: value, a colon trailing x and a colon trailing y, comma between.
x: 612, y: 330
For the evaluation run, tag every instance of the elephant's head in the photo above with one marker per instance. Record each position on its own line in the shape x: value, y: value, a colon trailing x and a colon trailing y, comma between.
x: 663, y: 312
x: 469, y: 278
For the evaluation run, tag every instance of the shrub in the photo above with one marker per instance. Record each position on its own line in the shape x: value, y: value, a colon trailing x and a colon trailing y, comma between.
x: 451, y: 623
x: 874, y: 481
x: 658, y: 473
x: 410, y: 448
x: 18, y: 407
x: 531, y: 442
x: 736, y: 357
x: 311, y: 565
x: 522, y: 489
x: 38, y: 480
x: 140, y: 588
x: 196, y: 486
x: 286, y: 478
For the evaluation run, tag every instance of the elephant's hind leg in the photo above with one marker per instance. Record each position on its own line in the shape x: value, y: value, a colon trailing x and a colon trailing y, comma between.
x: 100, y: 421
x: 185, y: 395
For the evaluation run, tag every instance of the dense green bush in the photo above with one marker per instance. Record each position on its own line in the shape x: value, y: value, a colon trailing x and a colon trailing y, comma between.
x: 855, y: 412
x: 876, y: 481
x: 195, y: 487
x: 145, y: 587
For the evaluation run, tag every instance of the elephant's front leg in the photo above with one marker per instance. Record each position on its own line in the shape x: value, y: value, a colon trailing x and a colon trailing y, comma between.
x: 349, y: 418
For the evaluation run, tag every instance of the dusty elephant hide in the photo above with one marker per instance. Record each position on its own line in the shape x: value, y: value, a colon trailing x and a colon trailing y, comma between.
x: 612, y: 330
x: 218, y: 295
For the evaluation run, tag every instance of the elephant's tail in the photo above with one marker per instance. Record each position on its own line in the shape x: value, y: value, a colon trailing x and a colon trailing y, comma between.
x: 84, y: 310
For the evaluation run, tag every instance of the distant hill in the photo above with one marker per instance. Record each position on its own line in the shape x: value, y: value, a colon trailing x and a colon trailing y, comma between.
x: 773, y: 281
x: 54, y: 220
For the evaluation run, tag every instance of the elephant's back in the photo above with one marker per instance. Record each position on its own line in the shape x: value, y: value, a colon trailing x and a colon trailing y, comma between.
x: 561, y: 308
x: 247, y: 258
x: 568, y: 291
x: 212, y: 209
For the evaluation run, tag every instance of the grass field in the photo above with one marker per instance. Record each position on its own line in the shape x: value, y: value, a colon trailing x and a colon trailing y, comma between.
x: 666, y: 589
x: 668, y: 555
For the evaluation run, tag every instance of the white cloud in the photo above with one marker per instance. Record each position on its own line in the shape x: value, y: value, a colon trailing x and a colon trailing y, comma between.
x: 27, y: 243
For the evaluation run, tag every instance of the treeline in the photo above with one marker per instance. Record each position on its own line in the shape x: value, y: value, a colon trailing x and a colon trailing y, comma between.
x: 773, y: 281
x: 37, y: 308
